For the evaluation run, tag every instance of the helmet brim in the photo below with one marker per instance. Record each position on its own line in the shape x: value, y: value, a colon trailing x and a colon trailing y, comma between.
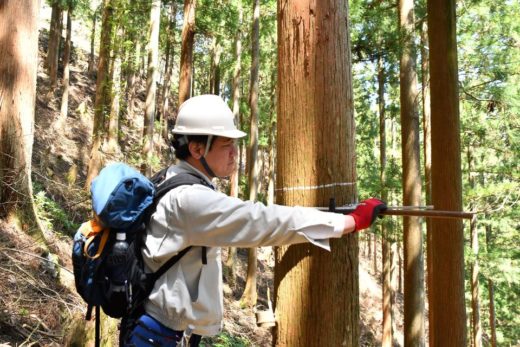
x: 232, y: 134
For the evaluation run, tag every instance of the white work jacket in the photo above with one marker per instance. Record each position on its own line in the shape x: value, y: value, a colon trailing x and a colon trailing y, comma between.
x: 190, y: 293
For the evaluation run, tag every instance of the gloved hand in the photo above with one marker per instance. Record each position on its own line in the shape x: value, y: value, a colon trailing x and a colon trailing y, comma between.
x: 366, y: 212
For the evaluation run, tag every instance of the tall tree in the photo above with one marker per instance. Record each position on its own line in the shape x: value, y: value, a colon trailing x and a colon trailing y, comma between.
x: 188, y: 38
x: 387, y: 339
x: 151, y: 87
x: 101, y: 103
x: 413, y: 253
x: 426, y: 124
x: 235, y: 177
x: 56, y: 27
x: 18, y: 68
x: 447, y: 311
x: 250, y: 295
x: 168, y: 68
x: 475, y: 269
x: 91, y: 58
x: 66, y: 69
x: 317, y: 295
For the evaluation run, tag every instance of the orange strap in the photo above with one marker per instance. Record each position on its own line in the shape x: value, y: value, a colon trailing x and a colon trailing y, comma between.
x: 91, y: 230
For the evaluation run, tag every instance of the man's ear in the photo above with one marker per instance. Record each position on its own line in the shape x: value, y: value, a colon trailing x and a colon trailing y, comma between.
x: 196, y: 149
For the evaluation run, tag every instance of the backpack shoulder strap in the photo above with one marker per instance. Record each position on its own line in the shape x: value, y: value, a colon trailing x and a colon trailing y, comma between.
x: 182, y: 179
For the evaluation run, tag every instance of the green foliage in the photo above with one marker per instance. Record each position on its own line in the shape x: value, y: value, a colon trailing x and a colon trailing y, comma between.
x: 51, y: 214
x: 225, y: 339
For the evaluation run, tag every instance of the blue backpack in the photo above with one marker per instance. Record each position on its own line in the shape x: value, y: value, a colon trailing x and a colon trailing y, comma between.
x: 123, y: 201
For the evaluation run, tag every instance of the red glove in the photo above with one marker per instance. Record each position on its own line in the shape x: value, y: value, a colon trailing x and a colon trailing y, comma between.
x: 366, y: 212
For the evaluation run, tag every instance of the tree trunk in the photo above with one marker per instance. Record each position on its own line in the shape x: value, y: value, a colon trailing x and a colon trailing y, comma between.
x: 66, y: 72
x: 491, y: 294
x: 101, y: 105
x: 113, y: 122
x: 475, y: 290
x: 412, y: 232
x: 54, y: 43
x: 250, y: 296
x: 447, y: 307
x: 374, y: 263
x: 131, y: 87
x: 91, y: 57
x: 235, y: 177
x: 151, y: 87
x: 188, y: 37
x: 168, y: 67
x: 18, y: 68
x: 316, y: 162
x: 427, y: 147
x: 214, y: 78
x: 387, y: 287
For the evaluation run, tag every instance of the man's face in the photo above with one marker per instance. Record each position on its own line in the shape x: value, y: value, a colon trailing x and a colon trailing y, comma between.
x: 222, y: 156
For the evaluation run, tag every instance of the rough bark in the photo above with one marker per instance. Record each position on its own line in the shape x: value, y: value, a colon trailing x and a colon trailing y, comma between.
x: 101, y: 103
x: 317, y: 292
x: 475, y: 269
x: 447, y: 311
x: 91, y: 57
x: 112, y: 143
x: 18, y: 68
x: 54, y: 43
x: 386, y: 249
x: 66, y: 70
x: 168, y: 67
x: 235, y: 177
x: 250, y: 296
x: 151, y: 87
x: 411, y: 182
x: 188, y: 37
x: 427, y: 147
x: 491, y: 295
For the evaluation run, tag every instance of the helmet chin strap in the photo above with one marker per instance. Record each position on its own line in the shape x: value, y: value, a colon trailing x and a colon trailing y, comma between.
x: 203, y: 158
x: 206, y: 167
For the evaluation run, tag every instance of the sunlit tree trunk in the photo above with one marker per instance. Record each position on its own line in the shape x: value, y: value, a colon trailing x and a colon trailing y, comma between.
x: 188, y: 36
x: 112, y: 143
x: 427, y: 148
x: 411, y: 181
x: 250, y: 296
x: 386, y: 249
x: 235, y: 177
x: 474, y: 285
x: 151, y: 87
x: 214, y: 75
x: 131, y: 87
x: 18, y: 69
x: 54, y: 42
x: 491, y: 295
x: 66, y: 71
x: 447, y: 311
x: 168, y: 67
x: 101, y: 105
x: 91, y: 57
x: 317, y: 292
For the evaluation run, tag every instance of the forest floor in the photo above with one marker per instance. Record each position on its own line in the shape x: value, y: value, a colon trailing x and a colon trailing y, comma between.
x: 36, y: 308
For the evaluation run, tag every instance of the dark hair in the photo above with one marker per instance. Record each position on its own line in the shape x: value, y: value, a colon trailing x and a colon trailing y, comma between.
x: 181, y: 147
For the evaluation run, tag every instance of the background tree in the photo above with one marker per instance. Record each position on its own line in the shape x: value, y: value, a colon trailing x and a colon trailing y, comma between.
x: 249, y: 297
x: 314, y: 51
x: 151, y: 87
x: 101, y: 104
x: 413, y: 252
x: 188, y: 34
x: 447, y: 308
x: 18, y: 64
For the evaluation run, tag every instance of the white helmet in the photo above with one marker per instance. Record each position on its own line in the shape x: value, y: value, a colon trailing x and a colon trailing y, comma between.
x: 206, y: 115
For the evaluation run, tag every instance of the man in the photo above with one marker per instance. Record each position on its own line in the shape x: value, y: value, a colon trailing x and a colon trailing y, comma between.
x: 187, y: 299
